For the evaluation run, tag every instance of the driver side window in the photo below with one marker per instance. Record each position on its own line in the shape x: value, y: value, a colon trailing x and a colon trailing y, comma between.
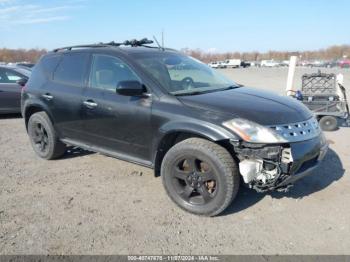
x: 107, y: 72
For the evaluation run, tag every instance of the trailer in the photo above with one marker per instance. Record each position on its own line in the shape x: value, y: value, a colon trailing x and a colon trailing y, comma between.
x: 322, y: 94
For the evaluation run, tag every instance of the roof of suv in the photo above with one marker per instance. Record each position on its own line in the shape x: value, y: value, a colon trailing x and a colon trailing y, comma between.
x: 128, y: 50
x: 132, y: 46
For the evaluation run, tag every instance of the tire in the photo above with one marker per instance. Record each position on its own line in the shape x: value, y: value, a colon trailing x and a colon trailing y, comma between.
x: 328, y: 123
x: 43, y: 137
x: 200, y: 176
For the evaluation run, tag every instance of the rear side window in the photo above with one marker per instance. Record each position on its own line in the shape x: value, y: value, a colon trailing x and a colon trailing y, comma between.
x: 71, y: 69
x: 49, y: 64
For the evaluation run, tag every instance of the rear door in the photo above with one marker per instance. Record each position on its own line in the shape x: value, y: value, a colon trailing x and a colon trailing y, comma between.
x: 63, y: 93
x: 10, y: 91
x: 114, y: 122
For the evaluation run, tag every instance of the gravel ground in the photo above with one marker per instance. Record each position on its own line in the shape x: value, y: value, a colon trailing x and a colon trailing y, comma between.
x: 87, y: 203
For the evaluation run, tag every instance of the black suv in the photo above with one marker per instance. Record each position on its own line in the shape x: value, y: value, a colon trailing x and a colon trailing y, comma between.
x: 162, y: 109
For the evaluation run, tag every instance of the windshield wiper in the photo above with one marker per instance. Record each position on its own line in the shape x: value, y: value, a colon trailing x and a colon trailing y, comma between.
x: 191, y: 93
x: 195, y: 92
x: 230, y: 87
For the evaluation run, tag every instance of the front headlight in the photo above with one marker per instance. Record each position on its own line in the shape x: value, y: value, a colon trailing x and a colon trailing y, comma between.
x: 253, y: 132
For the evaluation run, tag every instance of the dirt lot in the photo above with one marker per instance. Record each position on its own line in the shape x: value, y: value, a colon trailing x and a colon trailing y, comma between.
x: 92, y: 204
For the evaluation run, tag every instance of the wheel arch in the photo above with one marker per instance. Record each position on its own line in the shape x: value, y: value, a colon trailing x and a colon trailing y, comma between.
x: 171, y: 135
x: 32, y: 108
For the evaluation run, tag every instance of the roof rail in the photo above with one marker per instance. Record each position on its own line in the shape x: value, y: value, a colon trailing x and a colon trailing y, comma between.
x: 133, y: 43
x: 77, y: 46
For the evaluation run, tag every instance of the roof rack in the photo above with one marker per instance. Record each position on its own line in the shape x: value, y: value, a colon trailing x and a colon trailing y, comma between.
x: 132, y: 43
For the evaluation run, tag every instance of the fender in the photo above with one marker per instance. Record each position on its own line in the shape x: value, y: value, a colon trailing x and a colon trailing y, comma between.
x: 34, y: 102
x: 201, y: 128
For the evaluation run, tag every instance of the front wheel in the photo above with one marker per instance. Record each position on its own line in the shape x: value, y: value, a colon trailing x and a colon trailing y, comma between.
x: 200, y: 176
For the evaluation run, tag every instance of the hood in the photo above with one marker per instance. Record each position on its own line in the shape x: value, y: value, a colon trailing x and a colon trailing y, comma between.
x: 262, y: 107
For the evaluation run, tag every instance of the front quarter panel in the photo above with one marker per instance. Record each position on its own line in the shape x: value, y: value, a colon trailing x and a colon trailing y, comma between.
x: 172, y: 116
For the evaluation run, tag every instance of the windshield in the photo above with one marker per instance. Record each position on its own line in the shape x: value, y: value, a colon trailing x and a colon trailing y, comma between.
x: 183, y: 75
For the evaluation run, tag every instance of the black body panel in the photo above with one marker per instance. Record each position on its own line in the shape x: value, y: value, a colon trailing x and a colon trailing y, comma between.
x: 252, y: 104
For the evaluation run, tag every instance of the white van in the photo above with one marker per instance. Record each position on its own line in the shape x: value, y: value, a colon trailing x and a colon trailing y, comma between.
x: 233, y: 63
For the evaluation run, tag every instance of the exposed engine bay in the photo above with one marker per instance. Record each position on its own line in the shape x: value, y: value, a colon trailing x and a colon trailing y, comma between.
x: 263, y: 167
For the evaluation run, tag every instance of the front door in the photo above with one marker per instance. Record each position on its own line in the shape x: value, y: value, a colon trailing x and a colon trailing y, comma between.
x: 114, y: 122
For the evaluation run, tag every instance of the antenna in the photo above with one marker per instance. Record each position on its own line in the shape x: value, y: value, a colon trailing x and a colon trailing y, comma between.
x: 155, y: 39
x: 163, y: 39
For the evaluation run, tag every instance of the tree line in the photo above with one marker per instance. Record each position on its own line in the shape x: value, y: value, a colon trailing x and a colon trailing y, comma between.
x: 330, y: 53
x: 20, y: 55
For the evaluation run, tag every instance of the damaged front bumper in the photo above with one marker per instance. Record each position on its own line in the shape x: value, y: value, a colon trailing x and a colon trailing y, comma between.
x: 267, y: 167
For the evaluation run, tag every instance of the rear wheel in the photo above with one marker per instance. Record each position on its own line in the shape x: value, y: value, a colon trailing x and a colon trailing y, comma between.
x: 200, y: 176
x: 43, y: 137
x: 328, y: 123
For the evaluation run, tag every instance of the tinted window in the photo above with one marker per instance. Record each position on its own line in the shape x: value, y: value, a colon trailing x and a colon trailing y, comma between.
x: 9, y: 76
x: 107, y: 72
x: 71, y: 69
x: 49, y: 64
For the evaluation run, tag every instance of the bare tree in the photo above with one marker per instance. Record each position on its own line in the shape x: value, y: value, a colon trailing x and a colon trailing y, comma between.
x: 20, y: 55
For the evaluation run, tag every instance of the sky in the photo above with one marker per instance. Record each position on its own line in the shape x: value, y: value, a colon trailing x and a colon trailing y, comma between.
x: 220, y: 25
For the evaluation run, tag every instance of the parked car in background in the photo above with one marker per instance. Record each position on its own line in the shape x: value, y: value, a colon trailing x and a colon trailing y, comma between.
x: 269, y: 63
x: 317, y: 63
x: 303, y: 63
x: 244, y: 64
x: 10, y: 88
x: 284, y: 63
x: 232, y: 63
x: 217, y: 64
x: 255, y: 63
x: 213, y: 64
x: 26, y: 65
x: 344, y: 63
x: 331, y: 64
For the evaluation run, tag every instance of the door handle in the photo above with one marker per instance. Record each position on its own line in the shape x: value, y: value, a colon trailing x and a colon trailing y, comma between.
x: 90, y: 104
x: 47, y: 96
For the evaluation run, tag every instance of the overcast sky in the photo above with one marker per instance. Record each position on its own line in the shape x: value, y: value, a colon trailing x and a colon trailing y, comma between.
x: 219, y: 25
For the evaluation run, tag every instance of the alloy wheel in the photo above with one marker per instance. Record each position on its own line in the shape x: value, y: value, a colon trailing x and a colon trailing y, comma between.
x: 194, y: 180
x: 40, y: 137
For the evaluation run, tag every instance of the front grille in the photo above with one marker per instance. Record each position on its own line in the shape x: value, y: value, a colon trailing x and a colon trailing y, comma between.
x: 299, y: 131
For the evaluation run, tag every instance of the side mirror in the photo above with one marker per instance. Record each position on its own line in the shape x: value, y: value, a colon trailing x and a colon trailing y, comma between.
x: 22, y: 82
x: 130, y: 88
